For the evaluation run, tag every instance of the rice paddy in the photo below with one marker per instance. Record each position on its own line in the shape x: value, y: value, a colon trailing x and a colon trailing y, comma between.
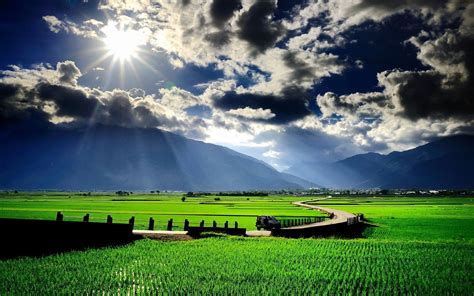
x: 422, y: 246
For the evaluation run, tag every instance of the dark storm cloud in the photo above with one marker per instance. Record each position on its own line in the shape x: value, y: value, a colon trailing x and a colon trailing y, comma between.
x: 291, y: 105
x: 423, y: 95
x: 145, y: 118
x: 120, y: 109
x: 300, y: 69
x: 257, y: 27
x: 22, y: 104
x: 8, y: 90
x: 69, y: 101
x: 223, y: 10
x: 218, y: 39
x: 11, y: 98
x: 444, y: 92
x: 17, y: 111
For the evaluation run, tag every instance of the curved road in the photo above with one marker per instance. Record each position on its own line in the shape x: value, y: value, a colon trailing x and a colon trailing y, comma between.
x: 339, y: 217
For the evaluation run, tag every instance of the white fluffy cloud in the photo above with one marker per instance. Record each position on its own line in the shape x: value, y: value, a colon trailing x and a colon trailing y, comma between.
x: 252, y: 113
x: 88, y: 29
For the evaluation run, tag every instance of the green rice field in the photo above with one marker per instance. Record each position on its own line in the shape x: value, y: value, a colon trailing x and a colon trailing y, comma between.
x: 421, y: 246
x: 143, y: 206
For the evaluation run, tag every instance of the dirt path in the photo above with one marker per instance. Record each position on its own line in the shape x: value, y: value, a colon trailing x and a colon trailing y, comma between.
x: 339, y: 217
x: 258, y: 233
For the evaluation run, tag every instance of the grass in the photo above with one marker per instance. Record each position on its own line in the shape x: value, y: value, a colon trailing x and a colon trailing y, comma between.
x: 249, y: 267
x: 408, y: 218
x: 161, y: 207
x: 423, y: 246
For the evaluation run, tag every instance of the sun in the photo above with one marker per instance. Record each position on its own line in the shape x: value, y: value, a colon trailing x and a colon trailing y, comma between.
x: 122, y: 44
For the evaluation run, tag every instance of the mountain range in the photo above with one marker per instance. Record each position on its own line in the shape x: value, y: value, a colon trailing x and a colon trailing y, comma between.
x: 111, y: 158
x: 103, y: 157
x: 447, y: 163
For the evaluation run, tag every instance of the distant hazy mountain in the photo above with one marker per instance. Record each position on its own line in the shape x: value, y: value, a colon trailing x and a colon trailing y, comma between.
x: 446, y: 163
x: 113, y: 158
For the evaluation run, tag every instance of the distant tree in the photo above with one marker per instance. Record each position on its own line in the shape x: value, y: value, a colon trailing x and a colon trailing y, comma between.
x: 16, y: 191
x: 190, y: 193
x: 183, y: 199
x: 152, y: 191
x: 217, y: 198
x: 157, y: 191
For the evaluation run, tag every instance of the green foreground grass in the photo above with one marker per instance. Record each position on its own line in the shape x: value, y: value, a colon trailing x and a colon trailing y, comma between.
x: 249, y: 266
x: 423, y: 246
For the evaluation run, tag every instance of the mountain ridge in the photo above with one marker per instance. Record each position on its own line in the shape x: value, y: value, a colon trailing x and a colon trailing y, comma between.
x: 110, y: 158
x: 444, y: 163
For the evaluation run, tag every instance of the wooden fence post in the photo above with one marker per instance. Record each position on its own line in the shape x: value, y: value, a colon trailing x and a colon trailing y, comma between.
x: 214, y: 224
x: 226, y: 224
x: 201, y: 224
x: 85, y: 218
x: 151, y: 224
x: 186, y: 224
x: 109, y: 219
x: 170, y: 225
x: 59, y: 216
x: 132, y: 221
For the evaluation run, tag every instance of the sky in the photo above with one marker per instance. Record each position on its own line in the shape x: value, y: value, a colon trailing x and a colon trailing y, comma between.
x: 283, y: 81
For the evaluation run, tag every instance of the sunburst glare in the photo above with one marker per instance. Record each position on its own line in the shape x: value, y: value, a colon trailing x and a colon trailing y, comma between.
x: 122, y: 44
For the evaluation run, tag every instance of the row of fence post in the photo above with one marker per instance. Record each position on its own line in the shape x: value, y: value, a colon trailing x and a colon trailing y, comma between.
x: 151, y: 222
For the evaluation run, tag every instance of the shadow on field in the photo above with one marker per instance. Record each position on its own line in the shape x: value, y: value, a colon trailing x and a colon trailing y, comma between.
x: 330, y: 231
x: 40, y: 238
x: 355, y: 231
